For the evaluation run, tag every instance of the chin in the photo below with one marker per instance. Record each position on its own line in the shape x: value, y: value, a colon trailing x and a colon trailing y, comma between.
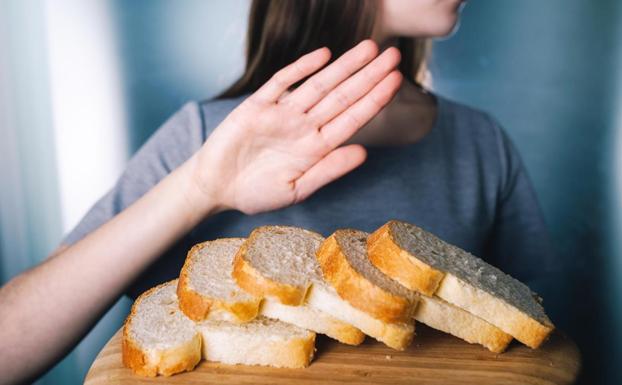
x: 441, y: 28
x: 422, y: 18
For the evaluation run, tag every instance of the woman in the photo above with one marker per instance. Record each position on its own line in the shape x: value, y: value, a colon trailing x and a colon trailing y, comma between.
x: 301, y: 138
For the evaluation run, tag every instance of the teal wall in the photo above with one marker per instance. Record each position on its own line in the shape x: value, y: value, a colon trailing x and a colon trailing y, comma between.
x: 547, y: 70
x: 550, y: 72
x: 31, y: 220
x: 166, y: 62
x: 26, y: 106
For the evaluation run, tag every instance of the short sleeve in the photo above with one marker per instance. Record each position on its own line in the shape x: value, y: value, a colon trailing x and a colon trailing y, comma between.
x: 520, y: 242
x: 170, y: 146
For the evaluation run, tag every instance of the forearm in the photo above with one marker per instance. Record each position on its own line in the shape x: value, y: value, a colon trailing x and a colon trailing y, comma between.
x: 86, y: 278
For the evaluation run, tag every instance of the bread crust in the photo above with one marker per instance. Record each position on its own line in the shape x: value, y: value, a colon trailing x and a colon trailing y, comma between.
x: 346, y: 334
x: 389, y: 258
x: 251, y: 280
x: 357, y: 290
x: 164, y: 362
x: 299, y: 353
x: 197, y: 307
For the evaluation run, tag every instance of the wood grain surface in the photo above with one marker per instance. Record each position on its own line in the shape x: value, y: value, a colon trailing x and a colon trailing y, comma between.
x: 433, y: 358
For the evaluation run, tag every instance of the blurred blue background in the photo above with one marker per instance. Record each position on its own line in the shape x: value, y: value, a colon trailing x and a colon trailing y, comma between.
x: 83, y: 83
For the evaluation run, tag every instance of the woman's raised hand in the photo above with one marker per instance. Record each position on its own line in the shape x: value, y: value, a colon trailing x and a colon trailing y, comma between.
x: 278, y: 147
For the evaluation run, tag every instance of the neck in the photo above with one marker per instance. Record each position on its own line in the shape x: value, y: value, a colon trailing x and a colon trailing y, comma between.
x: 406, y: 119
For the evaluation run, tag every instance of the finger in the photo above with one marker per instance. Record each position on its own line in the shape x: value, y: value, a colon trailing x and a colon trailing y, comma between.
x: 334, y: 165
x: 356, y: 116
x: 355, y: 87
x: 290, y: 74
x: 319, y: 85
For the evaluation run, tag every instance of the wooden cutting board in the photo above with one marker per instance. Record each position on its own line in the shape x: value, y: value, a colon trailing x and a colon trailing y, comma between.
x: 433, y: 358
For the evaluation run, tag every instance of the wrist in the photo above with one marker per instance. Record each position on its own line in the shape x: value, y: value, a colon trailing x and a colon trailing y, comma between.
x: 200, y: 196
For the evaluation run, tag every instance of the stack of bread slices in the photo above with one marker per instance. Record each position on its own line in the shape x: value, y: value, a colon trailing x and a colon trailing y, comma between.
x: 261, y: 300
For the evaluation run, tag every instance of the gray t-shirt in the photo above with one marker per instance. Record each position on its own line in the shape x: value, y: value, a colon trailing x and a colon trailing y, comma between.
x: 464, y: 181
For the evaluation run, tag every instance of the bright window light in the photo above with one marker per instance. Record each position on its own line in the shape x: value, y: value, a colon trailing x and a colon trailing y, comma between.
x: 87, y: 103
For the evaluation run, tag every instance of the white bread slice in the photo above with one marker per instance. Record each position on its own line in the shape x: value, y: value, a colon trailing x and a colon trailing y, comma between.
x: 420, y: 261
x: 344, y: 262
x: 274, y: 263
x: 395, y: 335
x: 206, y: 289
x: 157, y: 337
x: 448, y: 318
x: 262, y: 341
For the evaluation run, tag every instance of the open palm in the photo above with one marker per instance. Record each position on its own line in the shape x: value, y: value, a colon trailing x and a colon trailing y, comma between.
x: 278, y: 147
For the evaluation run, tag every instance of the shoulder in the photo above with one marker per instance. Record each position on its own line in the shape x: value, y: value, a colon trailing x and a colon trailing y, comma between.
x: 479, y: 137
x: 467, y: 120
x: 475, y: 128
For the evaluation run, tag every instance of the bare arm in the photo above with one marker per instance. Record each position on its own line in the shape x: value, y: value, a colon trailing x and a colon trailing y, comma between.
x: 273, y: 150
x: 48, y: 309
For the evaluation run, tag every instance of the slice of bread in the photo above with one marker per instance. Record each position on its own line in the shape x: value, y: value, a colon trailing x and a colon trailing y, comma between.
x: 308, y: 317
x: 279, y: 263
x: 157, y: 337
x: 206, y: 289
x: 262, y: 341
x: 420, y: 261
x: 344, y: 262
x: 448, y: 318
x: 275, y: 262
x: 395, y: 335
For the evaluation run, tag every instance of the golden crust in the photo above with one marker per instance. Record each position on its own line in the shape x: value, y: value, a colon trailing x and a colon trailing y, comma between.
x: 497, y: 341
x: 389, y: 258
x: 395, y: 335
x: 356, y: 289
x: 134, y: 358
x: 166, y: 362
x: 346, y: 333
x: 249, y: 279
x: 529, y: 331
x: 180, y: 359
x: 296, y: 353
x: 197, y: 307
x: 398, y: 340
x: 301, y: 352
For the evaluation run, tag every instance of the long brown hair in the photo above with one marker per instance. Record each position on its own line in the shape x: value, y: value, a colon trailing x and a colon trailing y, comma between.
x: 280, y: 31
